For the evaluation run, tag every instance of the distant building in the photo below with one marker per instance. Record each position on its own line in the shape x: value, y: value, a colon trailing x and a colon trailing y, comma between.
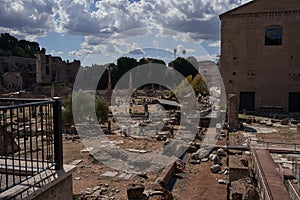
x: 53, y: 69
x: 13, y: 80
x: 25, y: 66
x: 210, y: 71
x: 260, y: 60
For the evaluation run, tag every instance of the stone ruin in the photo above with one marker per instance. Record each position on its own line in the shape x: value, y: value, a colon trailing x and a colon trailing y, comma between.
x: 233, y: 112
x: 7, y: 143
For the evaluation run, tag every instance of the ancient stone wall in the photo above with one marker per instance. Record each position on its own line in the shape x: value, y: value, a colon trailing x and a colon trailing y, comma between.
x: 248, y: 65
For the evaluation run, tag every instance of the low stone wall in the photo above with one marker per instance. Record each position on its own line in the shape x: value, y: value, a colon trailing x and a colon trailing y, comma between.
x: 63, y: 190
x: 237, y: 173
x: 167, y: 174
x: 47, y: 185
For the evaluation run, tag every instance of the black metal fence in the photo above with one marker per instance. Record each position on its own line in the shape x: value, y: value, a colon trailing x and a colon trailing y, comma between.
x: 30, y: 139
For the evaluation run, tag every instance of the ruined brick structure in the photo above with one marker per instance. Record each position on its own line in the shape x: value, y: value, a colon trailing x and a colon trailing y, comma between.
x: 32, y: 71
x: 260, y: 58
x: 53, y: 69
x: 24, y: 67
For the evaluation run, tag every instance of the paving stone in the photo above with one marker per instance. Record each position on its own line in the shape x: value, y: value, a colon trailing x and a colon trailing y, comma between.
x: 110, y: 174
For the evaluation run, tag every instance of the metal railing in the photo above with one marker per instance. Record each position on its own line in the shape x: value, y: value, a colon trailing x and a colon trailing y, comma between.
x: 292, y: 146
x: 293, y: 193
x: 30, y: 139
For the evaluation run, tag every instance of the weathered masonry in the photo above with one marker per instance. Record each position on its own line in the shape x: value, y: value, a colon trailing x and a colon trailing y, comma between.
x: 260, y: 60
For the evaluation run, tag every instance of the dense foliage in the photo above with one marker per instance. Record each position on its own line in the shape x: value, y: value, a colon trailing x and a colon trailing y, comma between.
x: 11, y: 46
x: 82, y: 104
x: 91, y: 74
x: 187, y: 67
x: 197, y: 83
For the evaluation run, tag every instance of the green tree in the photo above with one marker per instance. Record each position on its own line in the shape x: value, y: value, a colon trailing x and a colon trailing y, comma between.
x: 102, y: 110
x: 181, y: 89
x: 184, y: 67
x: 9, y: 45
x: 67, y: 115
x: 199, y: 85
x: 82, y: 104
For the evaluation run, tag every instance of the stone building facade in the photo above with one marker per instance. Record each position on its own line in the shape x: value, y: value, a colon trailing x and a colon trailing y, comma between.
x: 260, y: 60
x: 54, y: 69
x: 13, y: 80
x: 23, y: 66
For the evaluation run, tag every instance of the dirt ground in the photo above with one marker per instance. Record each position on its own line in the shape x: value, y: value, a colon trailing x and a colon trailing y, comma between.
x: 199, y: 182
x: 89, y: 172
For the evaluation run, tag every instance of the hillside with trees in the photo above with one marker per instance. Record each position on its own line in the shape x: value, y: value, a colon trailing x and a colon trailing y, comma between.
x: 11, y: 46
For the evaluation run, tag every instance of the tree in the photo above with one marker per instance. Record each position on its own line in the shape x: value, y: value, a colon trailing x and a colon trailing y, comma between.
x: 199, y: 85
x: 184, y: 67
x: 102, y: 110
x: 82, y: 105
x: 10, y: 45
x: 67, y: 115
x: 181, y: 90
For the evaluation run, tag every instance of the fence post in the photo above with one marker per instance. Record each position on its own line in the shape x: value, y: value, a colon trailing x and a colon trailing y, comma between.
x: 57, y: 123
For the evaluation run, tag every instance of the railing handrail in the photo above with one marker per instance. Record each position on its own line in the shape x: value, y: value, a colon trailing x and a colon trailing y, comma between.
x: 36, y: 103
x: 292, y: 190
x: 26, y: 151
x: 283, y: 143
x: 24, y: 99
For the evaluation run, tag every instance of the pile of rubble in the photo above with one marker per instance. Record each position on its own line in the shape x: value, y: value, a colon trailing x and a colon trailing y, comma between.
x: 215, y: 157
x: 101, y: 192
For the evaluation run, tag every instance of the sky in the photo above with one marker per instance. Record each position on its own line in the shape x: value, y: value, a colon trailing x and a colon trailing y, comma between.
x: 100, y: 31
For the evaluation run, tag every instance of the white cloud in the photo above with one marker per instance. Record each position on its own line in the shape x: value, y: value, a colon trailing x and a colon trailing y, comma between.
x: 197, y: 19
x: 211, y: 57
x: 53, y: 52
x: 31, y: 18
x: 215, y: 44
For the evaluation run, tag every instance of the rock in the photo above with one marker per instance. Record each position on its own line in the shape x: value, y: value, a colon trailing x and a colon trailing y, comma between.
x: 110, y: 174
x: 143, y: 175
x: 244, y: 162
x: 96, y: 188
x: 195, y: 161
x: 217, y: 160
x: 221, y: 181
x: 295, y: 181
x: 269, y: 124
x: 285, y: 121
x: 237, y: 196
x: 204, y: 159
x: 252, y: 193
x: 135, y: 191
x: 211, y: 156
x: 200, y: 153
x: 195, y: 156
x: 192, y: 149
x: 178, y: 176
x: 157, y: 192
x: 221, y: 152
x: 215, y: 168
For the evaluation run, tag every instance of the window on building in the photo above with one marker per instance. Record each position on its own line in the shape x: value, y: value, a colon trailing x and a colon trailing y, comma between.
x: 273, y: 35
x: 47, y: 70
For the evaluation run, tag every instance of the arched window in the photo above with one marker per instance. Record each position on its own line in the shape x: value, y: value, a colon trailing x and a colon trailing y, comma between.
x: 273, y: 35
